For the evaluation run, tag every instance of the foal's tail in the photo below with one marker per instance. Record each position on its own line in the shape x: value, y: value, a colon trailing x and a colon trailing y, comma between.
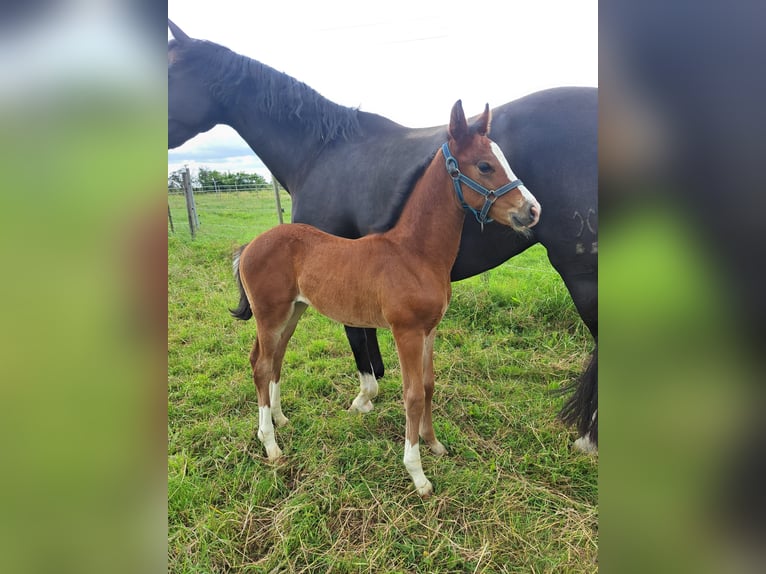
x: 243, y: 311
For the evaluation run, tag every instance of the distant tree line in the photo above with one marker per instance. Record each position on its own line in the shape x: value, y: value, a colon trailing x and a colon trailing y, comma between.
x: 212, y: 179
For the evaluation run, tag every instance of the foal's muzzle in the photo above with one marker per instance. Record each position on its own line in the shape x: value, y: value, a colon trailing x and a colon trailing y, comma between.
x: 527, y: 217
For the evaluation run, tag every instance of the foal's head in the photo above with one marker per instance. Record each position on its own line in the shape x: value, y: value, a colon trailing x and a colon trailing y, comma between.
x: 499, y: 195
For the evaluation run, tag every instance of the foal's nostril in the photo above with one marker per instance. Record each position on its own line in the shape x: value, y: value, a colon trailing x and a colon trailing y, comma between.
x: 534, y: 214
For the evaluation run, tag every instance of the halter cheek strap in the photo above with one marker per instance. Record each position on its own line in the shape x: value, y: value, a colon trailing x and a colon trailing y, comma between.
x: 490, y: 196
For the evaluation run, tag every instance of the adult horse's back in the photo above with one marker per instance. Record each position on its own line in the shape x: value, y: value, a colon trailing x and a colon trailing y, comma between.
x: 315, y: 147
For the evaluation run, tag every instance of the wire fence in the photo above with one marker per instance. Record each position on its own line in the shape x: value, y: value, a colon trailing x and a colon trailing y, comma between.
x: 236, y: 212
x: 220, y: 188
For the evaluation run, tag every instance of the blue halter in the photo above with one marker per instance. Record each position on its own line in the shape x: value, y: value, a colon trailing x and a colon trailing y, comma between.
x: 490, y: 196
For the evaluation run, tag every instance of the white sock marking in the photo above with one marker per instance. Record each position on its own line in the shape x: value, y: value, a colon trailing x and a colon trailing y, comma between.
x: 266, y: 433
x: 368, y: 390
x: 584, y: 444
x: 415, y: 468
x: 276, y: 405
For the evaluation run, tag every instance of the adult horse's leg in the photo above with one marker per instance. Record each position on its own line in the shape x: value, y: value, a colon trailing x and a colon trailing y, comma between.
x: 426, y: 423
x: 274, y: 390
x: 581, y: 409
x: 373, y: 350
x: 584, y: 402
x: 364, y: 344
x: 410, y: 347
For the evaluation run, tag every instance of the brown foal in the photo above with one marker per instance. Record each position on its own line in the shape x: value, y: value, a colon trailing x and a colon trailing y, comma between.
x: 398, y: 280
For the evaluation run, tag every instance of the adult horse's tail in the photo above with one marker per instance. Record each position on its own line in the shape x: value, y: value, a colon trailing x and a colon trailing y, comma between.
x: 243, y: 310
x: 581, y: 409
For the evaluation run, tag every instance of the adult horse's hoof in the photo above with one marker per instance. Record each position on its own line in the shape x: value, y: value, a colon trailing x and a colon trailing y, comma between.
x: 359, y: 407
x: 584, y: 444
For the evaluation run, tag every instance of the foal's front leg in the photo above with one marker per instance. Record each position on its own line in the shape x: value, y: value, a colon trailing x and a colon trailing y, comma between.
x: 410, y: 346
x: 426, y: 422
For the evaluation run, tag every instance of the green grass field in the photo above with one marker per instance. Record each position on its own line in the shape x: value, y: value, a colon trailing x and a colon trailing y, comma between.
x: 511, y: 495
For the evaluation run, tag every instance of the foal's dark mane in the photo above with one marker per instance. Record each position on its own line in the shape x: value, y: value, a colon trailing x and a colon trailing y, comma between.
x: 276, y: 94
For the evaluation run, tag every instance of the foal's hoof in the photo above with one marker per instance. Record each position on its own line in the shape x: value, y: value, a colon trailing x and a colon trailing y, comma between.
x: 437, y: 448
x: 361, y: 408
x: 425, y: 490
x: 281, y: 420
x: 273, y: 453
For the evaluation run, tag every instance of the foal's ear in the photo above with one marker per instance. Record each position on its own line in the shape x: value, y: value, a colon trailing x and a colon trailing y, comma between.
x: 482, y: 124
x: 458, y: 127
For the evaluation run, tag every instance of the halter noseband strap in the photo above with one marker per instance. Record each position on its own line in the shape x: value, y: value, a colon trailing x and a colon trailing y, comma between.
x: 490, y: 196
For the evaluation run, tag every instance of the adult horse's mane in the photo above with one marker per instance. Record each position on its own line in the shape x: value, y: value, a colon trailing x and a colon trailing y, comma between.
x: 237, y: 78
x: 399, y: 197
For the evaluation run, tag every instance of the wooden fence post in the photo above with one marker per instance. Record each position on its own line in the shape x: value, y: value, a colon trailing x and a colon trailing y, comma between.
x: 276, y: 195
x: 191, y: 209
x: 170, y: 218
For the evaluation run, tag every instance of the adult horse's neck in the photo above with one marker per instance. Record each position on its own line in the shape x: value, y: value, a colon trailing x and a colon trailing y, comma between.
x: 432, y: 220
x: 285, y: 122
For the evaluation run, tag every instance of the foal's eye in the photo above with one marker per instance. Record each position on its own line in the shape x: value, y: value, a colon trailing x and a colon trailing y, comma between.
x: 484, y: 167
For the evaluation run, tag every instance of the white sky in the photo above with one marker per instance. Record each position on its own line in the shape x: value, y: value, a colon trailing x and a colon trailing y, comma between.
x: 406, y: 60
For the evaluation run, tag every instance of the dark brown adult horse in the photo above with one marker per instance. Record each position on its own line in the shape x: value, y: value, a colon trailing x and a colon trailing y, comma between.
x: 349, y: 172
x: 398, y: 279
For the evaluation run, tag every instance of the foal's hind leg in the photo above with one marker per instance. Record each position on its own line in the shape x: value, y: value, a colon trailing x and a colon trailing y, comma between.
x: 261, y: 359
x: 426, y: 423
x: 274, y: 390
x: 266, y: 360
